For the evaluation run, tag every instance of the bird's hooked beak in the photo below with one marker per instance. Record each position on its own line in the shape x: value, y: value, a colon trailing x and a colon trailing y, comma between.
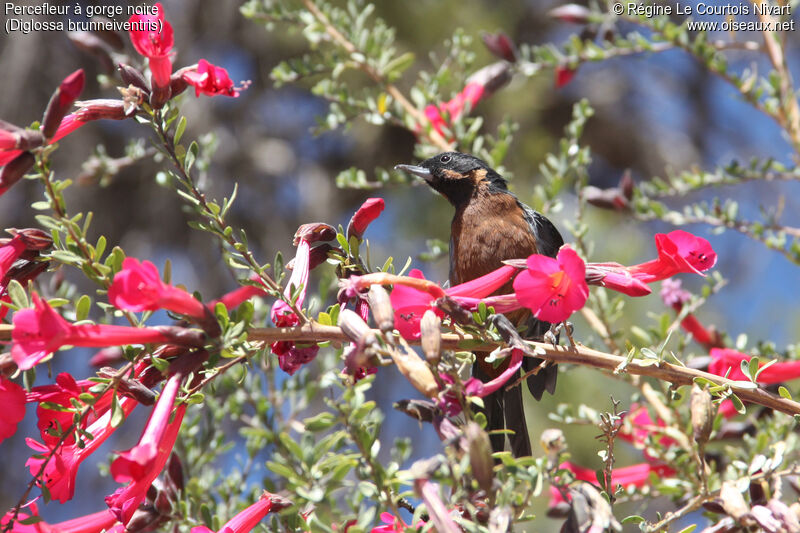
x: 422, y: 172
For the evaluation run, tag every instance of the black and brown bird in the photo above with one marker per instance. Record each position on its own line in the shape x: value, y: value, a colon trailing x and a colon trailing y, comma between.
x: 490, y: 226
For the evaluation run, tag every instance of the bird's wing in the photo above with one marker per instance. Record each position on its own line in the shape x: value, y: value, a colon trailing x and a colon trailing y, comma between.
x: 548, y: 239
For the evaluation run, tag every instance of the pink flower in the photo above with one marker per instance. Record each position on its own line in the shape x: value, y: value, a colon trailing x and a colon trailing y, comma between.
x: 62, y: 99
x: 411, y: 299
x: 564, y: 75
x: 9, y: 253
x: 237, y: 297
x: 290, y: 356
x: 40, y: 331
x: 12, y: 398
x: 210, y: 80
x: 642, y: 425
x: 391, y: 525
x: 678, y: 251
x: 144, y: 462
x: 249, y: 518
x: 60, y: 471
x: 629, y: 476
x: 616, y: 277
x: 152, y: 37
x: 92, y: 523
x: 553, y: 288
x: 724, y: 359
x: 138, y: 287
x: 369, y: 211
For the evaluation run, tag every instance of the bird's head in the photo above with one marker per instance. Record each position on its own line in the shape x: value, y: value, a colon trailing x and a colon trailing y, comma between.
x: 456, y: 176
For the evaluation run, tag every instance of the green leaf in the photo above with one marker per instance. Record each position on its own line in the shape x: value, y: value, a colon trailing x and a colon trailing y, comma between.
x: 191, y: 157
x: 117, y: 414
x: 17, y: 294
x: 82, y: 307
x: 179, y: 130
x: 784, y: 392
x: 319, y: 422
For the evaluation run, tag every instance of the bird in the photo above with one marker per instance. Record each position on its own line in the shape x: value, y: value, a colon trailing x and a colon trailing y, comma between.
x: 492, y: 225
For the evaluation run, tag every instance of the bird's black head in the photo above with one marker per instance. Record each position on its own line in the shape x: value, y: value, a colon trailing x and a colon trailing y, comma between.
x: 457, y: 176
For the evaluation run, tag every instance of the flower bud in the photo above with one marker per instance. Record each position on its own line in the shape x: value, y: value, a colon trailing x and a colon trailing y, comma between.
x: 611, y: 198
x: 143, y: 519
x: 314, y: 232
x: 160, y: 96
x: 175, y: 471
x: 491, y: 77
x: 176, y: 82
x: 61, y: 102
x: 369, y: 211
x: 416, y: 372
x: 15, y: 170
x: 33, y: 238
x: 134, y: 388
x: 572, y: 13
x: 355, y: 328
x: 131, y: 76
x: 431, y: 336
x: 702, y: 414
x: 480, y: 456
x: 733, y: 501
x: 14, y: 138
x: 500, y: 45
x: 381, y: 307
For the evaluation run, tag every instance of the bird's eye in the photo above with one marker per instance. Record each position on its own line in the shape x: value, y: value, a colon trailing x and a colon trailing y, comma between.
x: 445, y: 159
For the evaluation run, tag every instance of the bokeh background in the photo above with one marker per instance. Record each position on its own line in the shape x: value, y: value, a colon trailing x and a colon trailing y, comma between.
x: 653, y: 112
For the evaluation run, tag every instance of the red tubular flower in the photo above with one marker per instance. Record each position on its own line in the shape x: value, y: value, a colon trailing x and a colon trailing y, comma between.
x: 92, y: 523
x: 237, y: 297
x: 40, y: 331
x: 290, y: 356
x: 724, y: 359
x: 369, y: 211
x: 144, y: 462
x: 564, y: 75
x: 12, y: 398
x: 249, y: 518
x: 553, y: 288
x: 410, y: 300
x: 629, y: 476
x: 678, y: 251
x: 642, y: 425
x: 9, y: 253
x: 616, y: 277
x: 61, y: 101
x: 210, y: 80
x: 152, y: 37
x: 60, y: 471
x: 391, y: 523
x: 138, y: 287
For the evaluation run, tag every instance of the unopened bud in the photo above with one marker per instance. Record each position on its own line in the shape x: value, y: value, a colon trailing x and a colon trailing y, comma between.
x: 500, y: 45
x: 175, y: 471
x: 491, y: 77
x: 34, y: 238
x: 160, y: 96
x: 134, y: 389
x: 317, y: 255
x: 61, y: 102
x: 702, y: 414
x: 355, y: 328
x: 177, y: 83
x: 480, y: 456
x: 605, y: 198
x: 381, y: 306
x: 14, y: 138
x: 143, y: 518
x: 279, y: 503
x: 314, y: 232
x: 131, y: 76
x: 15, y: 170
x: 572, y: 13
x: 431, y: 336
x: 416, y: 372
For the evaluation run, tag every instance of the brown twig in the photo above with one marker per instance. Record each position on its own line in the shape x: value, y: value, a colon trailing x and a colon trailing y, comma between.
x: 580, y: 355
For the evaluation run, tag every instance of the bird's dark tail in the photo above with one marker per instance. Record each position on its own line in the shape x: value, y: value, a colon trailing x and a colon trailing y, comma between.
x: 503, y: 408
